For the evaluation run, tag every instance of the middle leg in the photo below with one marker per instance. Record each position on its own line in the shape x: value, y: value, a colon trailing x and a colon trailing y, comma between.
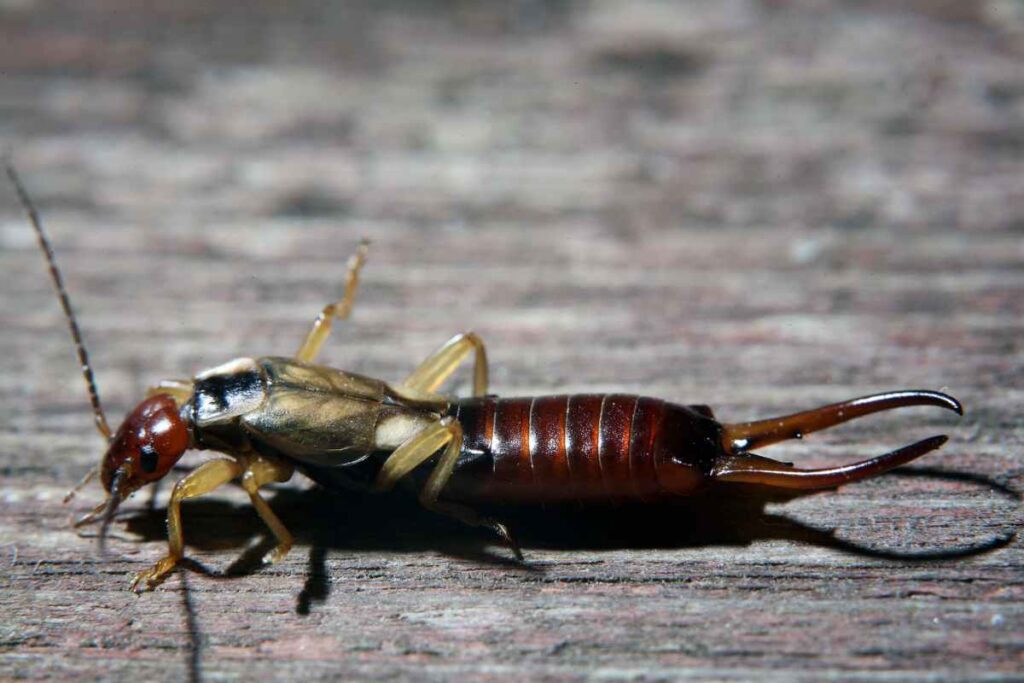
x: 258, y: 473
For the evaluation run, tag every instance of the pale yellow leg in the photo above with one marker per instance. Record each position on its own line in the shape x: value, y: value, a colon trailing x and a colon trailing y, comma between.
x: 207, y: 477
x: 432, y: 372
x: 178, y: 389
x: 418, y: 449
x: 447, y: 433
x: 262, y: 471
x: 339, y: 310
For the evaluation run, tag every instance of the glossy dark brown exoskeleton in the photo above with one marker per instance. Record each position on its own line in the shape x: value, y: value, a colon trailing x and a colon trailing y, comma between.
x: 269, y: 416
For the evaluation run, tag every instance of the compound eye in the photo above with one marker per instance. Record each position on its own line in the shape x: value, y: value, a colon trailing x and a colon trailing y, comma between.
x: 148, y: 458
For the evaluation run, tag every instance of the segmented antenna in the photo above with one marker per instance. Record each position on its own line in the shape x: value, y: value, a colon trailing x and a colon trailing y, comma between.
x: 58, y: 283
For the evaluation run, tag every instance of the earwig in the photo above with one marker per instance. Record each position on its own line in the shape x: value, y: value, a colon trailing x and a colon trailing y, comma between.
x: 269, y: 416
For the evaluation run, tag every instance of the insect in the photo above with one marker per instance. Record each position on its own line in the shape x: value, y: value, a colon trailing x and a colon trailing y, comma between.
x: 272, y: 415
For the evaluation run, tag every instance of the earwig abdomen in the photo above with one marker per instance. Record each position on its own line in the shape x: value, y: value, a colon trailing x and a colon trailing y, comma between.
x: 565, y: 448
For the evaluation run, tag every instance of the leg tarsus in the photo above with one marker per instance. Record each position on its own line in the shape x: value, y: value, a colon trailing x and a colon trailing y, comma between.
x: 150, y: 578
x: 506, y: 535
x: 468, y: 516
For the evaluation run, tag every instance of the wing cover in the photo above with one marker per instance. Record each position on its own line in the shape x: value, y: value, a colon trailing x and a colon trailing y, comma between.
x: 320, y: 415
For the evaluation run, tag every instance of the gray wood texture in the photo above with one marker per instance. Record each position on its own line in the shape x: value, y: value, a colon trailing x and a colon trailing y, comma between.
x: 761, y: 206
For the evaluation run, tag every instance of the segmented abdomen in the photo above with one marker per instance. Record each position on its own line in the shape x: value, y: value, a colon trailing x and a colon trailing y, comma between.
x: 561, y: 448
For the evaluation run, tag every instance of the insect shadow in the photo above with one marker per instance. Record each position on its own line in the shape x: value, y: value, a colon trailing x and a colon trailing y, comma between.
x: 326, y: 522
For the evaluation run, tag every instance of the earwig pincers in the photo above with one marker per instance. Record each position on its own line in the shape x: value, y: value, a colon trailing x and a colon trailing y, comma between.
x: 269, y: 416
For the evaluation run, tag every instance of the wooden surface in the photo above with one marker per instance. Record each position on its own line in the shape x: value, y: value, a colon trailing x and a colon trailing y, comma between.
x: 762, y: 206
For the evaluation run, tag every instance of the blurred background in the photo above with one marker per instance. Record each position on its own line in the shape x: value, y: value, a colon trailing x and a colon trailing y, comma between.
x: 538, y: 169
x: 764, y: 206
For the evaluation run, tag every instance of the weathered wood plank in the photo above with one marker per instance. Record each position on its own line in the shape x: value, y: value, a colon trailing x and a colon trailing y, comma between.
x: 761, y: 206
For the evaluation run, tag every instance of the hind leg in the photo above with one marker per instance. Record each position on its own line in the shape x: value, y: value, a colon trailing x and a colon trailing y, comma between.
x: 446, y: 433
x: 432, y: 372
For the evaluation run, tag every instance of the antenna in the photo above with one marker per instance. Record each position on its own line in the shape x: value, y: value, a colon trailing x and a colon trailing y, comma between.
x: 58, y: 283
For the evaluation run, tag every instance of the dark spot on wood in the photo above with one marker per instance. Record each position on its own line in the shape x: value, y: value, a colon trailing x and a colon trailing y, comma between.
x: 1003, y: 95
x: 651, y: 61
x: 312, y: 204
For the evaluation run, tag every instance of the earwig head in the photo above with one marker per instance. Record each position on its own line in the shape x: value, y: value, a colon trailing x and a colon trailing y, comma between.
x: 151, y: 439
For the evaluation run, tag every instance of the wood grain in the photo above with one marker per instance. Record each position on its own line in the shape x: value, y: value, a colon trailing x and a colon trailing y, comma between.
x: 759, y: 206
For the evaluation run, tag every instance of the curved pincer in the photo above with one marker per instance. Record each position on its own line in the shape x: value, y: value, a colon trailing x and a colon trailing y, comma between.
x: 741, y: 466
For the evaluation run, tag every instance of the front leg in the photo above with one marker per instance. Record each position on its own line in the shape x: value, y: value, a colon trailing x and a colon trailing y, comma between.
x: 207, y: 477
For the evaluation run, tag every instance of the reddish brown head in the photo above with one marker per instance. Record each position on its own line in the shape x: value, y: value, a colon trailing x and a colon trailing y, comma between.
x: 151, y: 439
